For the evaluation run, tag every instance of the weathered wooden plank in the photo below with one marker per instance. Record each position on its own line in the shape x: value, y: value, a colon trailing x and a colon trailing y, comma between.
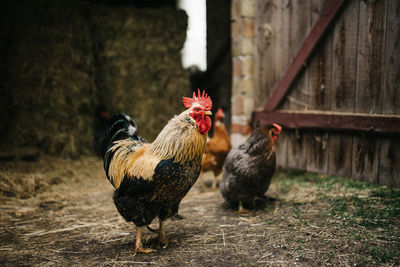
x: 342, y: 91
x: 299, y: 27
x: 282, y: 49
x: 370, y: 56
x: 265, y: 24
x: 317, y: 154
x: 377, y: 123
x: 340, y: 154
x: 391, y: 92
x: 370, y: 70
x: 281, y: 149
x: 326, y: 17
x: 297, y: 155
x: 320, y: 65
x: 389, y: 169
x: 319, y: 75
x: 272, y: 58
x: 344, y: 60
x: 283, y: 44
x: 272, y: 44
x: 389, y: 160
x: 365, y: 164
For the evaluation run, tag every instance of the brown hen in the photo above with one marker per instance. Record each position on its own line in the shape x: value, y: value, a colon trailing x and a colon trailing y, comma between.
x: 217, y: 148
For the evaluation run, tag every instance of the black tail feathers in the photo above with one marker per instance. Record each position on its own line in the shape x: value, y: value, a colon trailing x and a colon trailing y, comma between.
x: 121, y: 126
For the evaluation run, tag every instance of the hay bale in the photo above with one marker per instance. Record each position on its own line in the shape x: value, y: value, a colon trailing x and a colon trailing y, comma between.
x: 49, y: 85
x: 65, y: 59
x: 140, y: 63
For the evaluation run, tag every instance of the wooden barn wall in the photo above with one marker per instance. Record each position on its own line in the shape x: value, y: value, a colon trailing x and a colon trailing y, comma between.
x: 354, y: 69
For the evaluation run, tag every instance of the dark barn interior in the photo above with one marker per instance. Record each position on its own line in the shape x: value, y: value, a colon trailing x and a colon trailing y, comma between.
x: 65, y: 63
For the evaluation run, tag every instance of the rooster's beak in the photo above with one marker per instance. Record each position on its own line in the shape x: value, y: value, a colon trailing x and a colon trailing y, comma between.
x: 208, y: 113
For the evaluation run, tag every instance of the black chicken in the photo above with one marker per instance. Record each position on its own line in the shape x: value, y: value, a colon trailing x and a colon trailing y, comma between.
x: 248, y: 169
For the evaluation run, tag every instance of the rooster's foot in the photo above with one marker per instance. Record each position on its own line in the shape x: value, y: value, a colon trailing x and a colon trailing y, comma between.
x: 164, y: 242
x: 162, y: 237
x: 138, y: 244
x: 242, y: 210
x: 143, y: 250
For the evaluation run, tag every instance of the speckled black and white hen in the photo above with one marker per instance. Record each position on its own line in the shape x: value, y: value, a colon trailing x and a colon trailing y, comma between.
x: 248, y: 169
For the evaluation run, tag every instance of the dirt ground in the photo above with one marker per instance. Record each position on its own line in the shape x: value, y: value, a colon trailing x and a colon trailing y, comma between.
x: 59, y: 212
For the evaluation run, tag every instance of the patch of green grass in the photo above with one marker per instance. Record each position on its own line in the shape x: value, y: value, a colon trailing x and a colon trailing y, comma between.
x: 380, y: 209
x: 291, y: 203
x: 299, y: 248
x: 356, y: 236
x: 331, y: 255
x: 362, y: 260
x: 298, y: 203
x: 288, y: 177
x: 297, y: 213
x: 339, y: 207
x: 381, y: 254
x: 357, y: 212
x: 299, y: 251
x: 390, y: 196
x: 285, y: 185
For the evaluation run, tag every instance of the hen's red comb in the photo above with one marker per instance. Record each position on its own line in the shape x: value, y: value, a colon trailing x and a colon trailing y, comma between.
x: 278, y: 127
x: 203, y: 99
x: 220, y: 114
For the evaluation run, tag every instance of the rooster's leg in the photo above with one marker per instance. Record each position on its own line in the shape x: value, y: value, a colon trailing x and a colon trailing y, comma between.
x: 162, y: 237
x: 138, y: 245
x: 241, y: 209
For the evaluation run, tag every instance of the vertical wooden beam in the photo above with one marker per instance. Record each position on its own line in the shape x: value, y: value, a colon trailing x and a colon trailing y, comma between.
x: 319, y: 75
x: 369, y: 80
x: 344, y: 72
x: 370, y: 56
x: 299, y: 21
x: 340, y: 150
x: 282, y: 48
x: 272, y: 57
x: 268, y: 37
x: 391, y: 94
x: 299, y: 27
x: 365, y: 158
x: 296, y: 147
x: 389, y: 167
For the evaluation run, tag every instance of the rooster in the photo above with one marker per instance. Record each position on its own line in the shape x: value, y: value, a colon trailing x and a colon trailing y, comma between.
x: 217, y: 148
x: 150, y: 179
x: 248, y: 169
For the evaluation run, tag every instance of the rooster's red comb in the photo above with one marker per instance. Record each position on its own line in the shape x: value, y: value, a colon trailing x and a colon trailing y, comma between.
x: 203, y: 99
